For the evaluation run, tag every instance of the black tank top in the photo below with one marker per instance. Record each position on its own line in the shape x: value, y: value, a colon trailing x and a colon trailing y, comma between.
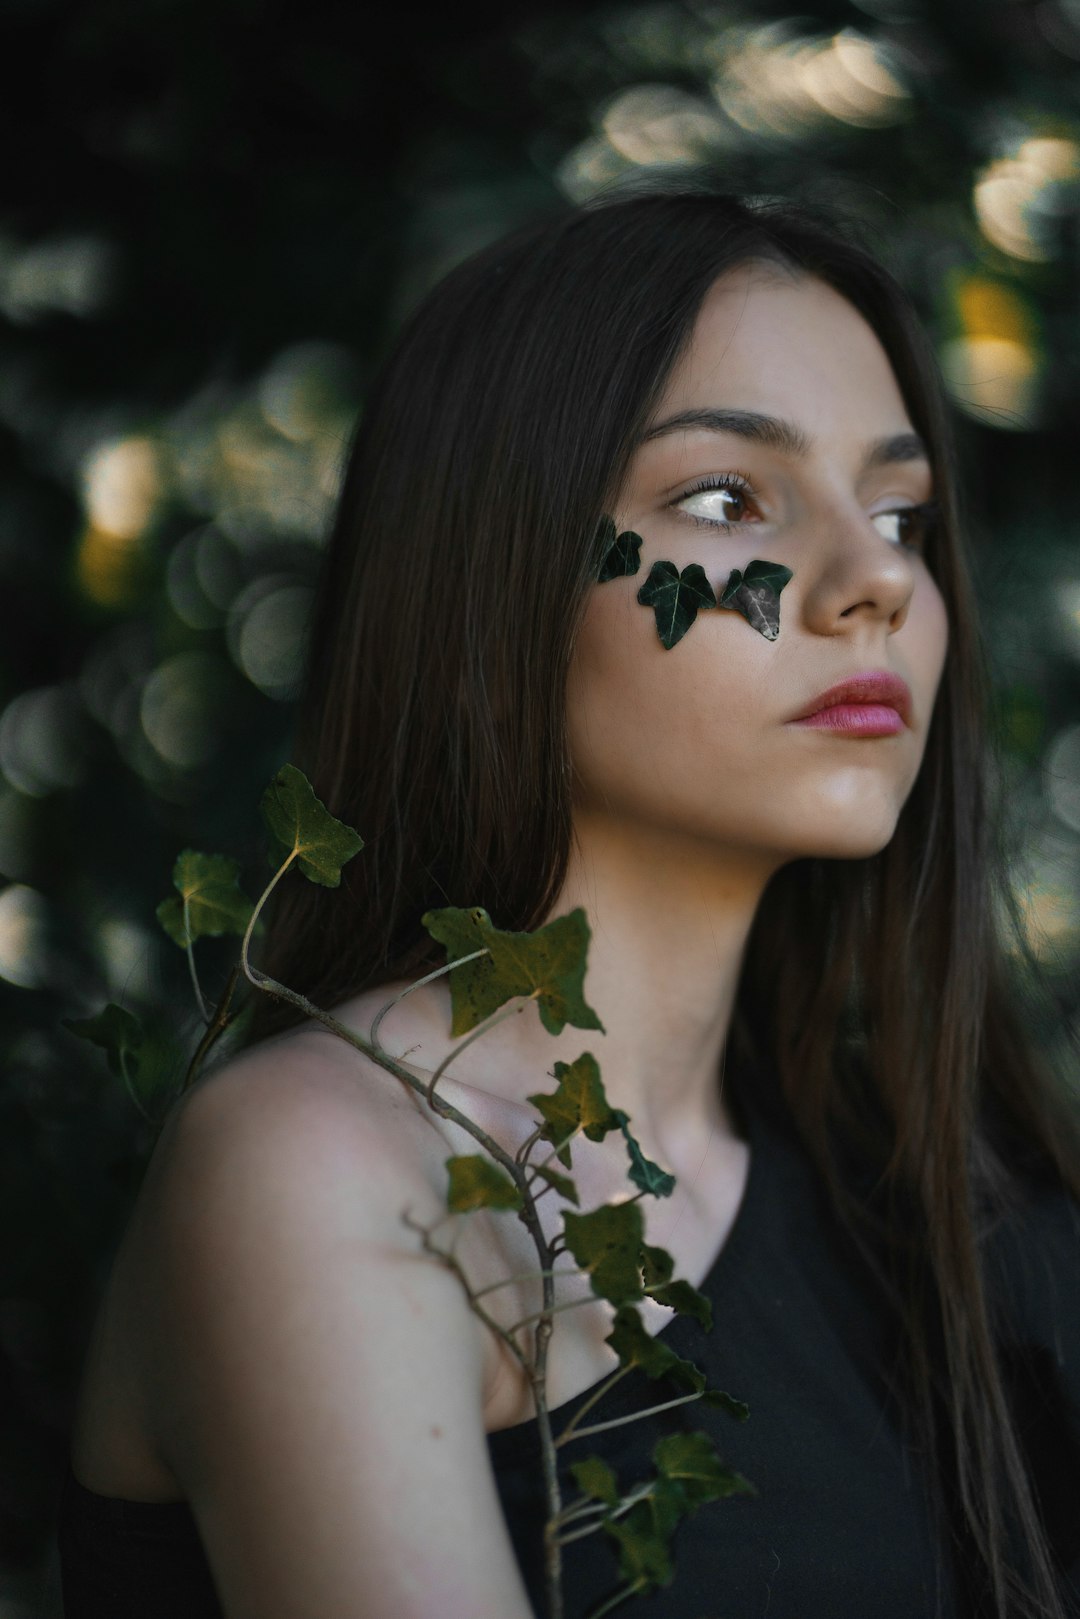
x: 839, y: 1527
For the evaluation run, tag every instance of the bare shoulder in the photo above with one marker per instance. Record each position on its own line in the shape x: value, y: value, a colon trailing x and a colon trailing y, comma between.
x: 316, y: 1380
x: 314, y: 1107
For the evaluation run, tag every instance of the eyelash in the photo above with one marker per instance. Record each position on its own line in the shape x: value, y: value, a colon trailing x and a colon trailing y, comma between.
x: 926, y: 513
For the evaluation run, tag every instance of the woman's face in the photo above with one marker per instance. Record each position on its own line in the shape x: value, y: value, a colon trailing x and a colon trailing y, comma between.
x: 699, y: 738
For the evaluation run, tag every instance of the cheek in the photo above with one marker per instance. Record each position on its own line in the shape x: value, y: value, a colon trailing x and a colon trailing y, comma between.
x: 643, y: 720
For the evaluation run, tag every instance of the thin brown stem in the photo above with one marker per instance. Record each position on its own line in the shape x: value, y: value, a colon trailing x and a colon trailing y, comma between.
x: 451, y: 1263
x: 522, y: 1276
x: 373, y: 1032
x: 190, y: 953
x: 594, y: 1399
x: 481, y: 1029
x: 620, y: 1596
x: 634, y: 1416
x: 217, y: 1026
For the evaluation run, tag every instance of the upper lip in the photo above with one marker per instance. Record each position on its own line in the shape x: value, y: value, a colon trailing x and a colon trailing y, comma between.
x: 871, y: 686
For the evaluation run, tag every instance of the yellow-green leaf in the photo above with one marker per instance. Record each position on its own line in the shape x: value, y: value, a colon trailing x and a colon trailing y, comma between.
x: 477, y: 1183
x: 579, y: 1103
x: 549, y: 962
x: 596, y: 1479
x: 300, y: 824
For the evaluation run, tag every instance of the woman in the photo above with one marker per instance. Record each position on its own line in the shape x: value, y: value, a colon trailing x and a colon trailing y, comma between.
x: 794, y: 957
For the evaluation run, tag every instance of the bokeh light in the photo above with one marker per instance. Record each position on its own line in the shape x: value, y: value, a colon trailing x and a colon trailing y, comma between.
x: 23, y: 936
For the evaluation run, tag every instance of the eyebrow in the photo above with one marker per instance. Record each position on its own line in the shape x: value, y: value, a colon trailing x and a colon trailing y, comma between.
x: 777, y: 434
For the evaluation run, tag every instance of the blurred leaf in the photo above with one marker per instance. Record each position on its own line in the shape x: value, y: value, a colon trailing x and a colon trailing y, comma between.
x: 675, y: 598
x: 477, y: 1183
x: 215, y: 902
x: 119, y: 1034
x: 644, y: 1535
x: 691, y: 1461
x: 299, y: 823
x: 550, y: 960
x: 596, y: 1479
x: 726, y: 1402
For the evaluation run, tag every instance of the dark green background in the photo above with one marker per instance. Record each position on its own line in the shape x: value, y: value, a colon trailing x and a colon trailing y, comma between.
x: 212, y: 217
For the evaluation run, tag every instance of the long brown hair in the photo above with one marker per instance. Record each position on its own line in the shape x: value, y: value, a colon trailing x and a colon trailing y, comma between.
x: 432, y: 719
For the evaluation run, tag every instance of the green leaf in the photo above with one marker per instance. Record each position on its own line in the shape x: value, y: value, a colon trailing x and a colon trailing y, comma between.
x: 117, y: 1032
x: 215, y: 902
x: 596, y: 1479
x: 549, y: 962
x: 635, y: 1347
x: 676, y: 598
x: 646, y: 1176
x: 691, y: 1461
x: 607, y: 1244
x: 658, y: 1267
x: 644, y: 1558
x: 725, y: 1402
x: 300, y: 823
x: 477, y: 1183
x: 756, y: 595
x: 622, y: 552
x: 579, y: 1102
x: 561, y: 1183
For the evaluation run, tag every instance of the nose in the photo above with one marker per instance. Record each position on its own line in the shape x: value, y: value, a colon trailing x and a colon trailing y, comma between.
x: 852, y: 573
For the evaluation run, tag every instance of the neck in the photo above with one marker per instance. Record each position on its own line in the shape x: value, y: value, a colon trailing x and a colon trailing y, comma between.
x: 669, y: 916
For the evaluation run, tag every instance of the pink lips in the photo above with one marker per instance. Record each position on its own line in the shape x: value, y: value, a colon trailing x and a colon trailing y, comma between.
x: 876, y: 703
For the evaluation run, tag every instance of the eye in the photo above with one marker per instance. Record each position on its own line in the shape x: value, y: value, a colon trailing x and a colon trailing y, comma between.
x: 909, y: 526
x: 715, y: 501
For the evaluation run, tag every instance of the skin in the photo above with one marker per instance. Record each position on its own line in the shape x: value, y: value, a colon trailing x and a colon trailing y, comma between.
x: 266, y: 1276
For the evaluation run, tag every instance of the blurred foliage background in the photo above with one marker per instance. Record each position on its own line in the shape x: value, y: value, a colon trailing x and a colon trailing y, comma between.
x: 212, y: 219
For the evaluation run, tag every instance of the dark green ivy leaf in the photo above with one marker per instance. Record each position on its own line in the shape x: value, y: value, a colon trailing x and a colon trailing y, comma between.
x: 621, y: 552
x: 756, y: 595
x: 561, y: 1183
x: 676, y: 598
x: 215, y: 902
x: 689, y: 1474
x: 300, y: 823
x: 646, y: 1176
x: 726, y: 1402
x: 657, y: 1269
x: 579, y: 1102
x: 644, y: 1558
x: 551, y: 959
x: 117, y: 1032
x: 477, y: 1183
x: 690, y: 1460
x: 596, y: 1479
x: 607, y: 1244
x: 635, y: 1347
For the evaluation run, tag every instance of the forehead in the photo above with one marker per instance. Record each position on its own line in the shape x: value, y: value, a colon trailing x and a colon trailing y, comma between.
x: 788, y: 344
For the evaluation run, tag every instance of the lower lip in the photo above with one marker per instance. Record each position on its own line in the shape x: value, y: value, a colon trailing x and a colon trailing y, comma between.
x: 857, y: 719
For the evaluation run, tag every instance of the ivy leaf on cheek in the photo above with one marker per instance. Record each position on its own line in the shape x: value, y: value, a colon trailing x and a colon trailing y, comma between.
x: 676, y: 598
x: 756, y: 595
x: 621, y: 553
